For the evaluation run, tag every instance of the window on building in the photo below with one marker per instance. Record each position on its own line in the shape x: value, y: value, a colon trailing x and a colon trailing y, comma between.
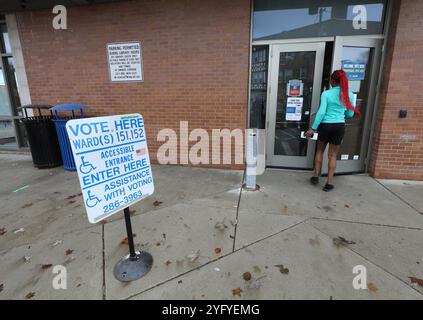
x: 10, y: 130
x: 287, y: 19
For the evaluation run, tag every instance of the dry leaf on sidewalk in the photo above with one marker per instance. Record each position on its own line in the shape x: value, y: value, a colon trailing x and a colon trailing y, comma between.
x: 282, y: 269
x: 372, y: 287
x: 416, y: 281
x: 27, y: 205
x: 68, y: 252
x: 236, y: 292
x: 2, y: 231
x: 246, y: 276
x: 30, y: 295
x: 340, y: 241
x: 168, y: 262
x: 125, y: 241
x: 157, y: 203
x: 217, y: 250
x: 46, y: 266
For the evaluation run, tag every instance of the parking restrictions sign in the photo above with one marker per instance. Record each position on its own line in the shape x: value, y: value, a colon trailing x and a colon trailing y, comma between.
x: 112, y: 162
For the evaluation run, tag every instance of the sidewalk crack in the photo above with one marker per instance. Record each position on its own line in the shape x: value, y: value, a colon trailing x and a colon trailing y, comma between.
x: 398, y: 196
x: 369, y: 261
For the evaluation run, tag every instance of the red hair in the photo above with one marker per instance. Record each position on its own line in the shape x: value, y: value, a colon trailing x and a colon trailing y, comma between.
x: 340, y: 77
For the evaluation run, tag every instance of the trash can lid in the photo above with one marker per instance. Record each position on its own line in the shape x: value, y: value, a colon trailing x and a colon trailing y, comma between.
x: 68, y: 107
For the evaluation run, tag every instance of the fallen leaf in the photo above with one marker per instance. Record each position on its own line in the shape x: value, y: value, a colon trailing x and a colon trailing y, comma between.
x: 27, y: 205
x: 1, y: 287
x: 125, y: 241
x: 2, y: 231
x: 68, y: 252
x: 340, y: 241
x: 157, y: 203
x: 282, y: 269
x: 158, y: 244
x: 30, y: 295
x: 372, y: 287
x: 78, y: 285
x: 236, y: 292
x: 416, y: 280
x: 232, y: 237
x: 346, y: 206
x: 217, y: 250
x: 167, y: 263
x: 180, y: 281
x: 46, y: 266
x: 246, y: 276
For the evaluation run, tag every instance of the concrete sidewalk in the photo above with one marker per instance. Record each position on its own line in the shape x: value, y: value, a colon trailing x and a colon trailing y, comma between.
x: 204, y: 233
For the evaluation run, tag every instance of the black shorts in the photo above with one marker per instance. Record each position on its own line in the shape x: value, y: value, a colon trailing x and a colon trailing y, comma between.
x: 332, y: 133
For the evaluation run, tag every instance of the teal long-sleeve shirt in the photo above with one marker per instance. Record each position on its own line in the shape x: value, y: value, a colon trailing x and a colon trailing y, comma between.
x: 331, y: 110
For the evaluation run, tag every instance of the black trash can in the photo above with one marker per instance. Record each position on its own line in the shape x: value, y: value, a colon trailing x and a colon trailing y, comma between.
x: 42, y: 138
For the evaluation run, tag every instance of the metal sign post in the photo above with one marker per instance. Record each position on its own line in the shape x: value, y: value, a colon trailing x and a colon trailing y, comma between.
x: 137, y: 263
x: 114, y: 172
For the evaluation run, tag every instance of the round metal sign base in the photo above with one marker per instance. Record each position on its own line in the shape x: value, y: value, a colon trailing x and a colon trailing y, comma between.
x: 129, y: 269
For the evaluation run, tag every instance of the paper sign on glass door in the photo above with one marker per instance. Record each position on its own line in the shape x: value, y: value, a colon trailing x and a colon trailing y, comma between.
x: 294, y: 107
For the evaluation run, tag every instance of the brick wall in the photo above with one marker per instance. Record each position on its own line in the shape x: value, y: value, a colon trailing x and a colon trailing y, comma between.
x: 398, y: 143
x: 195, y: 58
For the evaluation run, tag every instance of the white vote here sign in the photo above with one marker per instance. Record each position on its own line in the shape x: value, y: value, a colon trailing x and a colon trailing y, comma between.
x: 112, y: 162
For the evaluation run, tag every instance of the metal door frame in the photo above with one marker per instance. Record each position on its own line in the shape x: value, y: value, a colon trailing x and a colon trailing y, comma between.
x: 272, y: 93
x: 361, y: 165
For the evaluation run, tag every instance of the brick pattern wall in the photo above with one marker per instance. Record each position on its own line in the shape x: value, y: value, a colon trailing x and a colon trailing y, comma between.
x: 398, y: 143
x: 195, y: 58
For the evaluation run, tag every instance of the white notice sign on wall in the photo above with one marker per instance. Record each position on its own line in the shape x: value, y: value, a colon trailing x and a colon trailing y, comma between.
x: 125, y: 61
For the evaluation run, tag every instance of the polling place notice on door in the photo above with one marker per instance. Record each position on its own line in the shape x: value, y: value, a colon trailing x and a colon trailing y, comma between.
x: 125, y: 61
x: 294, y: 108
x: 112, y: 162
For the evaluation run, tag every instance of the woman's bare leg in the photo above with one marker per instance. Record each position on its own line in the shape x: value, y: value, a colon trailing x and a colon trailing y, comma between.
x: 321, y: 146
x: 333, y: 153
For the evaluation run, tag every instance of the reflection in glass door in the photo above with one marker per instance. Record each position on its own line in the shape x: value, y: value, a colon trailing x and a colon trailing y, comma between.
x: 295, y: 81
x: 359, y: 58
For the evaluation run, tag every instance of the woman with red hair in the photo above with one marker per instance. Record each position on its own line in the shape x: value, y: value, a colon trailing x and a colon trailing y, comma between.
x: 335, y: 106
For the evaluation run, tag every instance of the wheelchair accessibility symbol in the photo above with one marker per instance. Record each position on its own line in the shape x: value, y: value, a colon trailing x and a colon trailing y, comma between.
x: 86, y: 167
x: 92, y: 200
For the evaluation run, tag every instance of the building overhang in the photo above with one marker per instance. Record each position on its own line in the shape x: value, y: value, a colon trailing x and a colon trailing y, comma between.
x: 8, y: 6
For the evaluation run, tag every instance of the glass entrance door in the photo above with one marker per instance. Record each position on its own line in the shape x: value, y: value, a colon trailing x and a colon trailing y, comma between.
x: 359, y: 58
x: 294, y: 93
